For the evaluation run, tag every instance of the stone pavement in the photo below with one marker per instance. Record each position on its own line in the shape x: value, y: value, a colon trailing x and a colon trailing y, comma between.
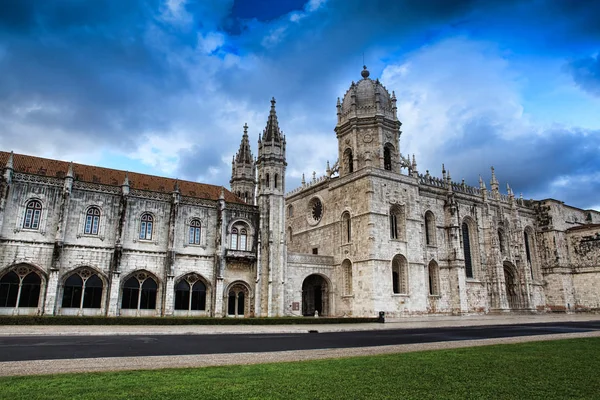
x: 44, y: 367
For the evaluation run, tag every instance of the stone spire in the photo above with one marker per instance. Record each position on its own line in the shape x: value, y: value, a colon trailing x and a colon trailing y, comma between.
x: 125, y: 184
x: 272, y: 132
x: 243, y: 171
x: 244, y: 154
x: 494, y: 185
x: 9, y: 168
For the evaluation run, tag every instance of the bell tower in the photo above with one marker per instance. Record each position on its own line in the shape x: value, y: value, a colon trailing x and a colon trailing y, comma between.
x: 368, y: 129
x: 243, y: 171
x: 271, y: 166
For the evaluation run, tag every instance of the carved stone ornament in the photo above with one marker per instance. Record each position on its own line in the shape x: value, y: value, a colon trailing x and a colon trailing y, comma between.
x: 368, y: 138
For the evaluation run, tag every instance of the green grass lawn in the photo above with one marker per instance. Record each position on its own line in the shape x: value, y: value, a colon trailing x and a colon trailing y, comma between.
x: 549, y: 370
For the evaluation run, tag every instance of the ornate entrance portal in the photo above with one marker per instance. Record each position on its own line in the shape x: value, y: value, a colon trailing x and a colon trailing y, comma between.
x: 512, y: 286
x: 315, y: 296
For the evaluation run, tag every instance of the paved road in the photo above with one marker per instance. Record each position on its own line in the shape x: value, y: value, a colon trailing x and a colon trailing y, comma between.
x: 20, y: 348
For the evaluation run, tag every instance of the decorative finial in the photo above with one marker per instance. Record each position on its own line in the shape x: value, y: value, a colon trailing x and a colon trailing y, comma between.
x: 10, y: 161
x: 273, y: 103
x: 176, y: 186
x: 222, y: 194
x: 245, y: 128
x: 314, y: 176
x: 365, y: 72
x: 126, y: 180
x: 303, y: 180
x: 70, y: 171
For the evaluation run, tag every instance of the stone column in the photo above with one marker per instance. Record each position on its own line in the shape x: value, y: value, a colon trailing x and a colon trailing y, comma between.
x: 51, y: 293
x: 218, y: 311
x: 113, y: 301
x: 169, y: 297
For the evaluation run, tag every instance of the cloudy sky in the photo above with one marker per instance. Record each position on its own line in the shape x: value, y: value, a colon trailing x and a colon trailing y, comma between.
x: 165, y: 86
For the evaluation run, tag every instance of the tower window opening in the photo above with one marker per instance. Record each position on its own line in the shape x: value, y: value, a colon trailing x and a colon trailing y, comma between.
x: 387, y: 158
x: 467, y: 250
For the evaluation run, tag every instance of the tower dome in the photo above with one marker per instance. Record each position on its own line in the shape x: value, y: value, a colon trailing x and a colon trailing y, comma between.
x: 367, y: 97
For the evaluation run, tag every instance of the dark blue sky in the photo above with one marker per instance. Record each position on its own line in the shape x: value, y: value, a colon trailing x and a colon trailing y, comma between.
x: 165, y: 86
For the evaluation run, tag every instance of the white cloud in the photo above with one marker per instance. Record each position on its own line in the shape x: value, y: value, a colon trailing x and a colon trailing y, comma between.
x: 444, y: 86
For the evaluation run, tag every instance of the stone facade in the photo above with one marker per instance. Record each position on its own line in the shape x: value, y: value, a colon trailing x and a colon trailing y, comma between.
x: 373, y: 234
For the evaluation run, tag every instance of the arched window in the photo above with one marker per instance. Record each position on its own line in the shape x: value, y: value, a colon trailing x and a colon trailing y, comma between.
x: 268, y: 181
x: 429, y: 228
x: 92, y: 221
x: 139, y: 292
x: 349, y: 161
x: 241, y: 236
x: 82, y: 290
x: 528, y: 238
x: 346, y: 227
x: 397, y: 221
x: 9, y: 289
x: 20, y: 288
x: 243, y: 239
x: 146, y: 226
x: 387, y: 158
x: 30, y: 290
x: 434, y: 278
x: 236, y: 301
x: 400, y: 275
x: 290, y: 211
x: 195, y: 232
x: 467, y: 250
x: 347, y: 277
x: 276, y: 180
x: 234, y: 238
x: 190, y: 294
x: 33, y: 215
x: 289, y: 234
x: 72, y: 292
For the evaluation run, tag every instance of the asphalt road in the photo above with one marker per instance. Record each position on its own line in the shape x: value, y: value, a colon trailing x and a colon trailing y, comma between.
x: 21, y: 348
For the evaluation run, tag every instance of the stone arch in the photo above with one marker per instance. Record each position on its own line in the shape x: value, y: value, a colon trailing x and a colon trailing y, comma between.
x: 399, y: 274
x: 433, y: 275
x: 238, y: 299
x: 146, y: 297
x: 192, y: 293
x: 348, y: 161
x: 316, y: 295
x: 397, y: 222
x: 512, y: 286
x: 22, y: 289
x: 83, y: 287
x: 430, y: 237
x: 235, y: 235
x: 24, y: 208
x: 388, y: 156
x: 346, y: 232
x: 470, y: 245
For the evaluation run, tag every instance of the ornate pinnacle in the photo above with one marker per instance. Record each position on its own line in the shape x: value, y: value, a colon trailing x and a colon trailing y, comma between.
x: 10, y: 161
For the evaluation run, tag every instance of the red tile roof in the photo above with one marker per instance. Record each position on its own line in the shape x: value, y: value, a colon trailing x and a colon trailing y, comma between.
x: 106, y: 176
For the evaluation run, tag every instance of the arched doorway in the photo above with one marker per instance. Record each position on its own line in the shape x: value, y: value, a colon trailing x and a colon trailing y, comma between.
x: 315, y: 296
x: 238, y: 297
x: 511, y: 282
